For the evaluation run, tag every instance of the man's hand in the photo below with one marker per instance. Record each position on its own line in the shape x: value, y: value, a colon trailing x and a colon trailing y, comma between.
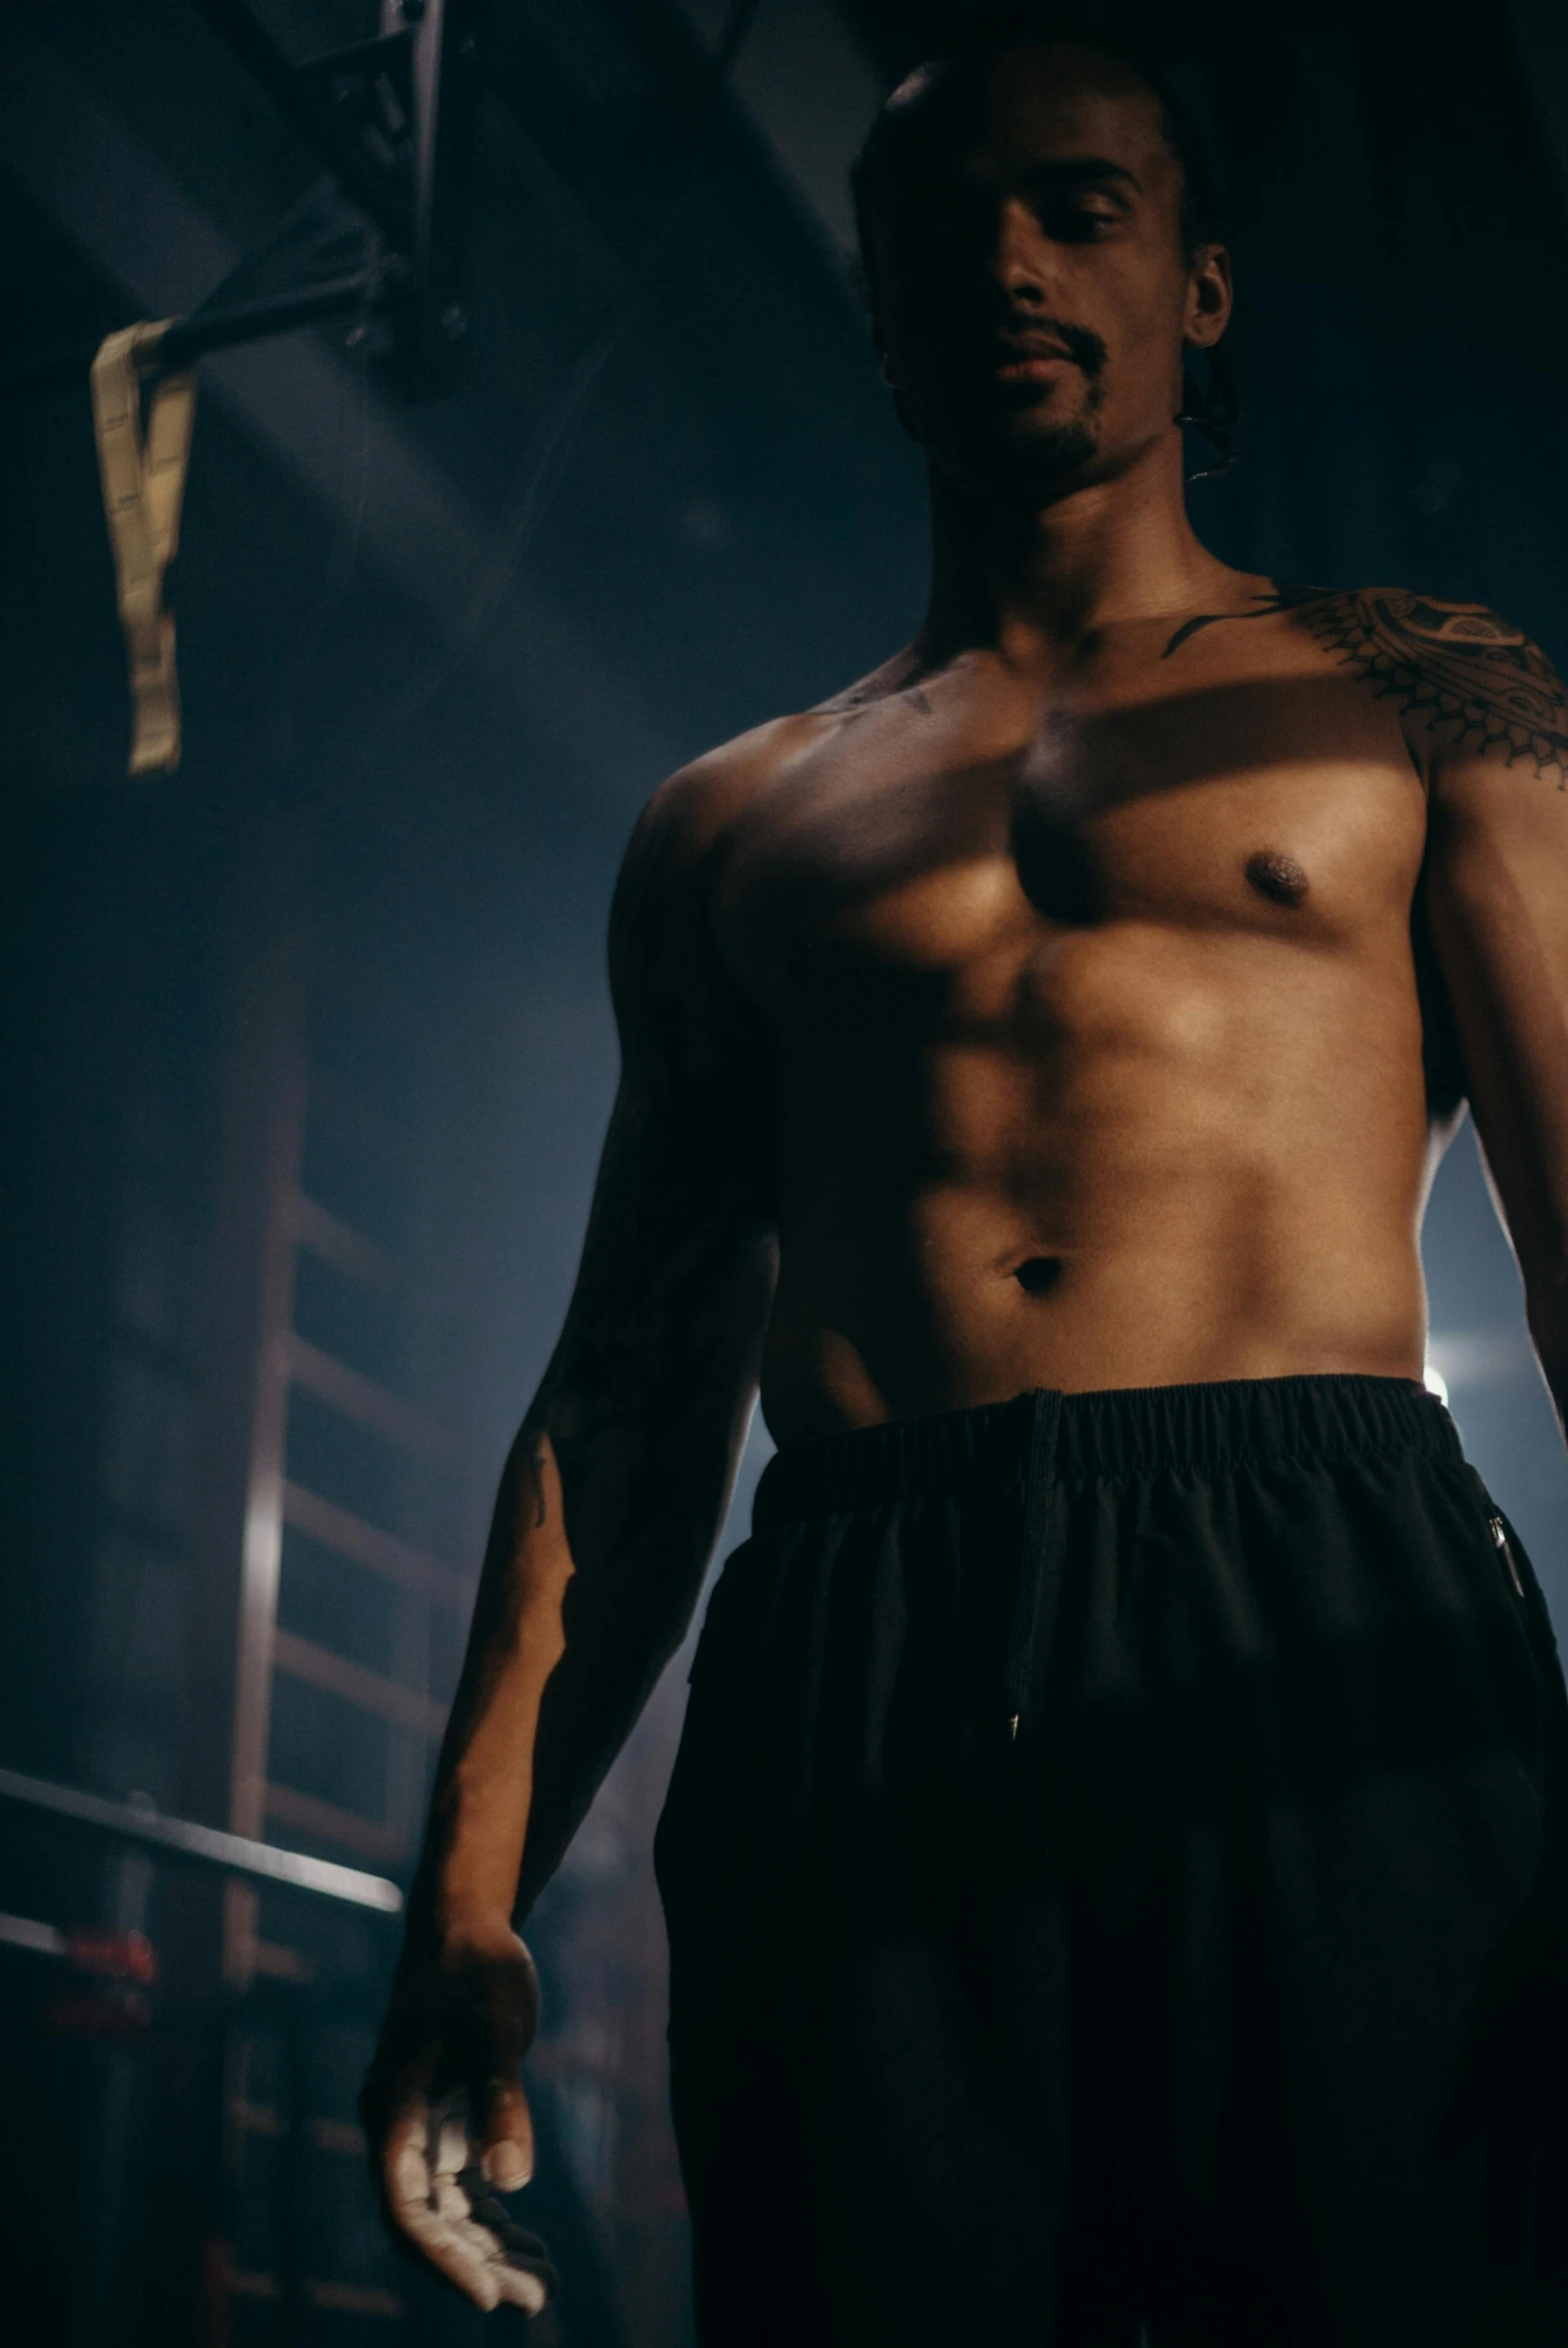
x: 447, y: 2121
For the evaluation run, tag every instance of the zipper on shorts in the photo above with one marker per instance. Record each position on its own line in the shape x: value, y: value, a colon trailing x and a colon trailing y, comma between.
x: 1500, y: 1537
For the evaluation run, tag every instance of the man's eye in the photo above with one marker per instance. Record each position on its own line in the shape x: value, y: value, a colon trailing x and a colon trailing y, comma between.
x: 1079, y: 222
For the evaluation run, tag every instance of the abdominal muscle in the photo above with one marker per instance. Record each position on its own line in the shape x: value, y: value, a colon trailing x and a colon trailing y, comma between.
x: 1100, y: 1213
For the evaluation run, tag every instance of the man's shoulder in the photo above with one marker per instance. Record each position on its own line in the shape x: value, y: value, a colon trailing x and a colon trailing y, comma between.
x: 1394, y: 623
x: 695, y: 803
x: 671, y: 853
x: 1463, y: 679
x: 693, y: 806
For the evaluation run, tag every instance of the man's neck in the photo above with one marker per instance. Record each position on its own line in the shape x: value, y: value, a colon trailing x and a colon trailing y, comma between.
x: 1035, y: 581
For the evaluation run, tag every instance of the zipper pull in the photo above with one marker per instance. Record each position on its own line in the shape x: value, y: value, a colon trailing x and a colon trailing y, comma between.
x: 1501, y: 1539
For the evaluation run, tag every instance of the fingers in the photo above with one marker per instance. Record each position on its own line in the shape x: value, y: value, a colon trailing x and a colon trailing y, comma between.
x: 414, y: 2206
x: 427, y: 2205
x: 447, y: 2118
x: 520, y: 2290
x: 428, y: 2202
x: 507, y: 2137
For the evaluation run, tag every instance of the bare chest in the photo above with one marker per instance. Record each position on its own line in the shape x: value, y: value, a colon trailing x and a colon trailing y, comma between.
x: 933, y: 862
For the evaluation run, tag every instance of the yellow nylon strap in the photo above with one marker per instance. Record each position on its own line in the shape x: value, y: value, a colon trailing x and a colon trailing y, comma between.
x: 143, y: 484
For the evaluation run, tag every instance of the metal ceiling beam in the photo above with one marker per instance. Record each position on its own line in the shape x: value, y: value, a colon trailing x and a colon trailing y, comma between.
x: 113, y: 197
x: 804, y: 83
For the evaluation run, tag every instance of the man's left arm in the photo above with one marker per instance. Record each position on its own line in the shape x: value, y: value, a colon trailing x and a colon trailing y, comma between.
x: 1491, y: 729
x: 1497, y: 905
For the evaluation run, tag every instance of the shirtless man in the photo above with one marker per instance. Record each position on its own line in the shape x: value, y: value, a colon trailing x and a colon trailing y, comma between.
x: 1109, y: 1863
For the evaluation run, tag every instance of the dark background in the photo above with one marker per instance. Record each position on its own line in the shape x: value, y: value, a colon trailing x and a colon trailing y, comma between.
x: 434, y: 657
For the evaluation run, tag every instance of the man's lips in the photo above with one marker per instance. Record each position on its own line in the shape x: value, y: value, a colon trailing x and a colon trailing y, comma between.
x: 1032, y: 358
x: 1032, y: 365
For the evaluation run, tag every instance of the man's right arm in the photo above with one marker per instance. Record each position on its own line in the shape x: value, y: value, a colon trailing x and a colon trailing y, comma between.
x: 611, y: 1500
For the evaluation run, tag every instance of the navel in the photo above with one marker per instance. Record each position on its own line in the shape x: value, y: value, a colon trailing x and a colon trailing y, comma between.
x: 1277, y: 877
x: 1037, y: 1273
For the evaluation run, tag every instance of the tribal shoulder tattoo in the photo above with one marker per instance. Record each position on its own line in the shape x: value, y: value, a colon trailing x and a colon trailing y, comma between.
x: 1473, y: 679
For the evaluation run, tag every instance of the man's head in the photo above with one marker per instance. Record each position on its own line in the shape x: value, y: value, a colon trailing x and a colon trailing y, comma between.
x: 1037, y: 239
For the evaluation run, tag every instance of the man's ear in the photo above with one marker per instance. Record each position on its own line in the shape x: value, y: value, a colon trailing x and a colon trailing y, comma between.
x: 890, y: 374
x: 884, y: 362
x: 860, y: 272
x: 1210, y: 297
x: 878, y: 336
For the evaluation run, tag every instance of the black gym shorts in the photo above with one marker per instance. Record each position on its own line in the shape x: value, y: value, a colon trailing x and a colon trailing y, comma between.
x: 1099, y: 1831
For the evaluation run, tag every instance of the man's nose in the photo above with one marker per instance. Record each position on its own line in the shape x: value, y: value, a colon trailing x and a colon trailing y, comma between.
x: 1021, y: 257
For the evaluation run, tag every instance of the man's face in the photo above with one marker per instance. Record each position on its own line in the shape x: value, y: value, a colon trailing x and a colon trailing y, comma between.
x: 1030, y: 280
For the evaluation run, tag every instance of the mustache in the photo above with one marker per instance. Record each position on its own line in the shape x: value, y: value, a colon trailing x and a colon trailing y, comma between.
x: 1084, y: 346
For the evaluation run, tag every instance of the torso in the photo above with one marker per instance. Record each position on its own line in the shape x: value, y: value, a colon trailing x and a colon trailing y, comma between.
x: 1097, y: 1033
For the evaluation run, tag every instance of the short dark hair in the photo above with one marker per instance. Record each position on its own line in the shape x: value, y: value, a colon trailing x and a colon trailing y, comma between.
x: 899, y: 124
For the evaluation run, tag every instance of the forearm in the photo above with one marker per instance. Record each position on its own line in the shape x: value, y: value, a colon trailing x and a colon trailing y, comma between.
x: 480, y: 1804
x: 559, y: 1667
x: 645, y: 1503
x: 1546, y: 1301
x: 1530, y: 1188
x: 607, y: 1512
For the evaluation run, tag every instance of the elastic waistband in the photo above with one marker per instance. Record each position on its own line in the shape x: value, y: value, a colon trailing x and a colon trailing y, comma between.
x: 1115, y: 1435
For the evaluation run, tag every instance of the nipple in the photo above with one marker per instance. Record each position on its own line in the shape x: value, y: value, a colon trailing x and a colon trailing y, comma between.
x: 1277, y: 877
